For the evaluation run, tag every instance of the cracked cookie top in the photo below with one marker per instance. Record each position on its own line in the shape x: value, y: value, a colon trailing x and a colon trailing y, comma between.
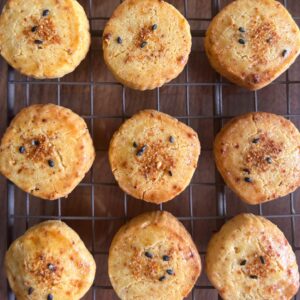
x: 252, y: 42
x: 49, y: 261
x: 258, y: 155
x: 146, y: 43
x: 250, y: 258
x: 153, y: 257
x: 46, y: 151
x: 153, y: 156
x: 44, y: 38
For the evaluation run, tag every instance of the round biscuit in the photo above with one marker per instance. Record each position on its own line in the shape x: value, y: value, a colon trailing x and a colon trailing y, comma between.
x: 252, y: 42
x: 44, y: 38
x: 154, y: 156
x: 250, y: 258
x: 258, y: 155
x: 146, y: 43
x: 153, y: 257
x: 46, y: 151
x: 49, y: 259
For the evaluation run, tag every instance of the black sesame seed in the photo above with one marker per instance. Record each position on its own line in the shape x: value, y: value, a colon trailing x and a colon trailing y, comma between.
x: 34, y: 28
x: 119, y: 40
x: 143, y: 44
x: 242, y: 41
x: 246, y: 171
x: 154, y: 27
x: 253, y: 276
x: 135, y: 145
x: 166, y: 258
x: 30, y: 290
x: 255, y: 141
x: 22, y: 149
x: 38, y: 42
x: 269, y: 160
x: 51, y: 163
x: 262, y: 260
x: 162, y: 278
x: 170, y: 173
x: 148, y: 254
x: 248, y: 179
x: 242, y: 29
x: 51, y: 267
x: 35, y: 143
x: 172, y: 139
x: 243, y: 262
x: 46, y: 12
x: 284, y: 53
x: 50, y: 297
x: 141, y: 151
x: 170, y: 271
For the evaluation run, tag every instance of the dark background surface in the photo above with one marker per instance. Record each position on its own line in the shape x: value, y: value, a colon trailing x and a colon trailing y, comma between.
x: 97, y: 208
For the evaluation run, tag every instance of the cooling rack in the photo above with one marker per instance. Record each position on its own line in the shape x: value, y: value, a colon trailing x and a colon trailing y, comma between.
x: 199, y: 97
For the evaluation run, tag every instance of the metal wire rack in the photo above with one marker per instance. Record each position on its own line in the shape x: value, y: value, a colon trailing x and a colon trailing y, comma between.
x: 201, y: 99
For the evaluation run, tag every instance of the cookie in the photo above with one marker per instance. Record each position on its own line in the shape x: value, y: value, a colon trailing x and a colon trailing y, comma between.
x: 252, y: 42
x: 250, y: 258
x: 49, y: 261
x: 258, y: 155
x: 46, y: 151
x: 44, y: 38
x: 154, y: 156
x: 153, y: 257
x: 146, y: 43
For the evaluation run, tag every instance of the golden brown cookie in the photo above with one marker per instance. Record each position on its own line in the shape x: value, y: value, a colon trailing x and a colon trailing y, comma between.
x: 153, y: 257
x: 252, y: 42
x: 258, y: 155
x: 49, y: 262
x: 146, y: 43
x: 154, y: 156
x: 46, y: 151
x: 250, y: 258
x: 44, y: 38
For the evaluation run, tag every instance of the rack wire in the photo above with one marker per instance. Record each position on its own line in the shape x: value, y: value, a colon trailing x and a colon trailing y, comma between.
x: 193, y: 210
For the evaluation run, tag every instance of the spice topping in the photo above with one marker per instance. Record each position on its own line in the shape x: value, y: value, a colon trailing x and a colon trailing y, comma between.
x: 253, y: 276
x: 135, y: 145
x: 255, y: 141
x: 170, y: 173
x: 34, y: 28
x: 246, y: 171
x: 30, y: 290
x: 242, y: 29
x: 242, y: 41
x: 162, y: 278
x: 262, y: 260
x: 172, y: 140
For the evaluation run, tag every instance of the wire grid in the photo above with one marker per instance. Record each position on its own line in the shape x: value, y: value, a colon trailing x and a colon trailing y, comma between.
x: 218, y: 118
